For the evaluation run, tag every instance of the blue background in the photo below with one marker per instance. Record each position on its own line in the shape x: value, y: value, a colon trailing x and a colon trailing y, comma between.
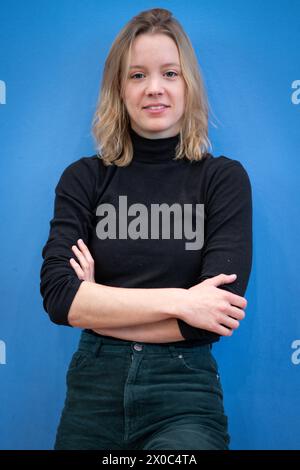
x: 51, y: 60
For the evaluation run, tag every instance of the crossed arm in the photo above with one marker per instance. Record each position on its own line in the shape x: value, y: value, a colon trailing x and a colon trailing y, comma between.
x: 227, y: 249
x: 162, y: 331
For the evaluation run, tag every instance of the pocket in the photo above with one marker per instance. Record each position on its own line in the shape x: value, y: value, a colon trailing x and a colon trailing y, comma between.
x: 81, y: 359
x: 200, y: 360
x: 205, y: 368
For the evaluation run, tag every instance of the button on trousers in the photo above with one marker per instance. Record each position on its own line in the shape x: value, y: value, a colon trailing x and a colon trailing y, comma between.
x: 127, y: 395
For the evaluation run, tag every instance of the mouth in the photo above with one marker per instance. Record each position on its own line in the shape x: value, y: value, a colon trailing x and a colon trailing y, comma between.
x: 153, y: 110
x: 158, y: 106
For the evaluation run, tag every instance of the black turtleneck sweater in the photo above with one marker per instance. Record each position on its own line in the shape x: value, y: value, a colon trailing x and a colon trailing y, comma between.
x: 153, y: 177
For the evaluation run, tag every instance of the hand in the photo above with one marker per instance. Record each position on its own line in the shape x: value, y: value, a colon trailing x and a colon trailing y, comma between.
x: 84, y: 270
x: 214, y: 309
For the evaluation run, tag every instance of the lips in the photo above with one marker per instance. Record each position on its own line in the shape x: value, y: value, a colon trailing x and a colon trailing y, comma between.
x: 156, y: 105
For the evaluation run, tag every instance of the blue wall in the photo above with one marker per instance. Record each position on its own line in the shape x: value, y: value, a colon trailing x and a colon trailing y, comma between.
x: 51, y: 61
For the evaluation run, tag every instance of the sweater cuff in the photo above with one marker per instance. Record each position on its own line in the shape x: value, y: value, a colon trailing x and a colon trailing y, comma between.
x: 191, y: 332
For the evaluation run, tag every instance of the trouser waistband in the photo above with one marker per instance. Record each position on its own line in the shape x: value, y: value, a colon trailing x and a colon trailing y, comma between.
x: 90, y: 340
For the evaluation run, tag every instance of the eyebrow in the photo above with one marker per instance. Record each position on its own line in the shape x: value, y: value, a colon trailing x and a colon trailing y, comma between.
x: 169, y: 64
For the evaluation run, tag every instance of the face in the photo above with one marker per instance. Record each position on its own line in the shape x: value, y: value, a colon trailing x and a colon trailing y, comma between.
x: 149, y: 82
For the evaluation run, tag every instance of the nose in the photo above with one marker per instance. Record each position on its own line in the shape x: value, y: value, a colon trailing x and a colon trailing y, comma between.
x: 154, y: 92
x: 154, y: 87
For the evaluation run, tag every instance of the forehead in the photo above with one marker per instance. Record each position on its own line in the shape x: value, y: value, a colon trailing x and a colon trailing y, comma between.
x: 167, y: 64
x: 154, y: 49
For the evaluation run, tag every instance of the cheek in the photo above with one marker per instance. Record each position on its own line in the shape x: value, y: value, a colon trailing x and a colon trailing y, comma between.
x: 131, y: 99
x: 182, y: 93
x: 180, y: 101
x: 128, y: 94
x: 179, y: 95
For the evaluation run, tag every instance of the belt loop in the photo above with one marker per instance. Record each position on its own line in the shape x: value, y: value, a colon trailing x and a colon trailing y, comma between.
x: 97, y: 346
x: 173, y: 350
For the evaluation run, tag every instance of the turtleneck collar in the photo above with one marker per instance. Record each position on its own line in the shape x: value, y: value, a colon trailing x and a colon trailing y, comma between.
x: 153, y: 150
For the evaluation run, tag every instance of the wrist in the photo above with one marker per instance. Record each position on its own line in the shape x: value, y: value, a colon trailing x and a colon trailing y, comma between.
x: 178, y: 303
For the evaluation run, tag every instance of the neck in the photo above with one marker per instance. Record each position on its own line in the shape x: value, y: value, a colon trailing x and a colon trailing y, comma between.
x: 153, y: 150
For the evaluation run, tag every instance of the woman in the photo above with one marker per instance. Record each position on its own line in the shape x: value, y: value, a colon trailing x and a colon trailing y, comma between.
x: 149, y: 300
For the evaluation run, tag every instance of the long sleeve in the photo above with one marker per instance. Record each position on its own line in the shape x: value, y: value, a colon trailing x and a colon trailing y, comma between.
x: 73, y: 219
x: 228, y: 233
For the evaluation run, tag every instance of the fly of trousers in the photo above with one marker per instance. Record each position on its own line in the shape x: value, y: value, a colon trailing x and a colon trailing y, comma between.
x: 128, y: 395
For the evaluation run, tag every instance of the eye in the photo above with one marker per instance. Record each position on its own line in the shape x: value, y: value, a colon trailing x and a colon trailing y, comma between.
x: 171, y: 71
x: 140, y: 73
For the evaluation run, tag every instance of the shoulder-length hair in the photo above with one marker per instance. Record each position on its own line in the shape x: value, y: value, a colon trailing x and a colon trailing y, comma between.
x: 111, y: 123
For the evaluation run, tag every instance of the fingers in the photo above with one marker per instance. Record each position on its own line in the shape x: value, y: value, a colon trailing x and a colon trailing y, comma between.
x: 85, y: 251
x: 85, y: 268
x: 82, y: 254
x: 235, y: 299
x: 77, y: 268
x: 221, y: 279
x: 237, y: 313
x: 223, y: 331
x: 228, y: 323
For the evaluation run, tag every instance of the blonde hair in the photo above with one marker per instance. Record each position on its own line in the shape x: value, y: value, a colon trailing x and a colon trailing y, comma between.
x: 111, y: 123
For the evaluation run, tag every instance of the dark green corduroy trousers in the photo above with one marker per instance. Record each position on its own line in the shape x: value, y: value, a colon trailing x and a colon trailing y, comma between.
x: 130, y: 395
